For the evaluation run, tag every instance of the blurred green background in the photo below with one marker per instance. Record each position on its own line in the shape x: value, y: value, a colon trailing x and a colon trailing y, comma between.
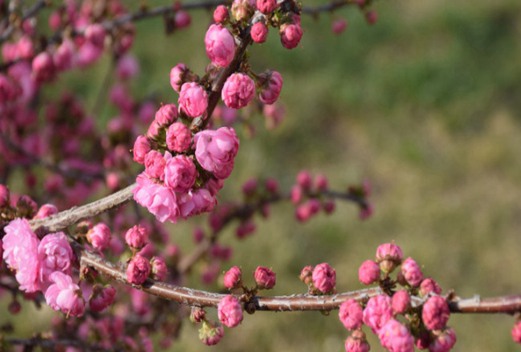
x: 426, y: 105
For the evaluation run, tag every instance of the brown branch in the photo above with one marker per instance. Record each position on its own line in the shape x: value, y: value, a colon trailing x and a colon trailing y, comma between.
x: 73, y: 215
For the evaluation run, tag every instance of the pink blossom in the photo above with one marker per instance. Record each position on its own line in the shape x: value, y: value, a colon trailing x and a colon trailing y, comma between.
x: 377, y: 312
x: 229, y: 311
x: 99, y: 236
x: 210, y: 334
x: 245, y: 228
x: 368, y: 272
x: 338, y: 26
x: 296, y: 194
x: 87, y: 54
x: 242, y: 10
x: 516, y: 332
x: 250, y: 187
x: 127, y: 67
x: 388, y: 255
x: 220, y: 45
x: 435, y: 313
x: 357, y: 342
x: 196, y: 202
x: 182, y: 19
x: 395, y: 337
x: 177, y: 74
x: 158, y: 199
x: 64, y: 295
x: 166, y: 114
x: 95, y: 34
x: 290, y: 35
x: 193, y: 99
x: 155, y: 164
x: 141, y: 148
x: 101, y: 298
x: 137, y: 236
x: 265, y: 278
x: 371, y: 16
x: 138, y: 270
x: 266, y: 6
x: 304, y: 179
x: 427, y: 286
x: 215, y: 150
x: 153, y: 130
x: 444, y: 341
x: 64, y: 55
x: 271, y: 90
x: 259, y: 32
x: 220, y: 14
x: 43, y: 67
x: 306, y: 210
x: 232, y: 277
x: 180, y: 173
x: 238, y: 90
x: 411, y: 272
x: 54, y: 254
x: 401, y: 301
x: 351, y: 314
x: 178, y: 137
x: 324, y: 278
x: 159, y: 269
x: 45, y: 211
x: 20, y: 246
x: 197, y: 315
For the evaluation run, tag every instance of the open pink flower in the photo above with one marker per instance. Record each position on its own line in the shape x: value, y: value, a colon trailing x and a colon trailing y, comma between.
x: 159, y: 200
x: 64, y: 295
x: 216, y: 150
x: 435, y: 313
x: 196, y: 202
x: 193, y: 99
x: 377, y: 312
x: 351, y: 314
x: 220, y: 45
x: 229, y: 311
x: 54, y: 254
x: 180, y: 173
x: 238, y: 90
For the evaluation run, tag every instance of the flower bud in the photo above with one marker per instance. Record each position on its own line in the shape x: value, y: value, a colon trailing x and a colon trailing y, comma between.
x: 368, y: 272
x: 271, y: 88
x: 401, y: 302
x: 242, y: 10
x: 389, y: 256
x: 238, y: 91
x: 210, y: 334
x: 411, y: 272
x: 290, y: 35
x: 351, y: 314
x: 166, y: 115
x: 101, y: 297
x: 137, y: 236
x: 220, y: 14
x: 99, y: 236
x: 357, y: 342
x: 435, y: 313
x: 265, y: 278
x: 138, y: 270
x: 141, y: 148
x: 266, y: 6
x: 193, y: 99
x: 259, y: 32
x: 324, y: 278
x: 159, y: 269
x: 220, y: 45
x: 306, y: 274
x: 232, y: 278
x: 46, y: 210
x: 229, y: 311
x: 197, y: 315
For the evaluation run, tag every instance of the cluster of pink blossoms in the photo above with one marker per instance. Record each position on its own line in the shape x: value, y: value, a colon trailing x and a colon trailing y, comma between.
x: 399, y: 324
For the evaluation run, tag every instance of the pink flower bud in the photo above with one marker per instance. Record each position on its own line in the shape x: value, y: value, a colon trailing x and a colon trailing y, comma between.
x: 155, y: 164
x: 265, y: 278
x: 324, y: 278
x: 245, y: 228
x: 138, y: 270
x: 272, y: 185
x: 197, y: 315
x: 166, y: 114
x: 516, y: 332
x: 428, y: 286
x: 296, y: 194
x: 64, y: 295
x: 357, y: 342
x: 46, y: 210
x: 182, y: 19
x: 238, y: 91
x: 321, y: 183
x: 210, y: 334
x: 99, y: 236
x: 401, y: 302
x: 266, y: 6
x: 306, y: 274
x: 216, y: 150
x: 444, y: 341
x: 229, y: 311
x: 259, y: 32
x: 178, y: 137
x: 388, y: 255
x: 101, y: 298
x: 394, y: 336
x: 158, y: 199
x: 377, y: 312
x: 180, y: 173
x: 304, y: 180
x: 220, y: 14
x: 95, y: 34
x: 290, y: 35
x: 193, y: 99
x: 369, y: 272
x: 371, y: 17
x: 63, y: 56
x: 351, y: 314
x: 329, y: 206
x: 220, y: 45
x: 232, y: 278
x: 141, y: 148
x: 306, y: 210
x: 127, y: 67
x: 435, y: 313
x: 339, y: 26
x: 242, y: 10
x: 271, y: 90
x: 159, y: 269
x: 411, y: 272
x: 43, y: 67
x: 54, y: 254
x: 153, y: 130
x: 137, y: 236
x: 198, y: 235
x: 177, y: 74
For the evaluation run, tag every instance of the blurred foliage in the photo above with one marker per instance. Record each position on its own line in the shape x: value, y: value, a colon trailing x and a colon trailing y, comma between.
x: 426, y: 105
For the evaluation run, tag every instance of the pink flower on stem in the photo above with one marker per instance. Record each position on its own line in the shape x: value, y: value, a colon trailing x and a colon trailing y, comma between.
x: 178, y: 137
x: 138, y: 270
x: 435, y: 313
x: 95, y: 34
x: 193, y: 99
x: 259, y: 32
x: 265, y: 278
x: 324, y: 278
x: 338, y: 26
x: 232, y: 278
x: 371, y: 17
x: 177, y: 74
x: 220, y: 14
x: 127, y: 67
x: 141, y: 148
x: 45, y: 211
x: 43, y: 67
x: 238, y: 90
x: 377, y: 312
x: 306, y: 274
x: 54, y: 254
x: 266, y: 6
x: 306, y: 210
x: 412, y: 272
x: 196, y: 202
x: 245, y: 228
x: 427, y: 286
x: 229, y: 311
x: 166, y: 114
x: 395, y: 337
x: 180, y: 173
x: 369, y: 272
x: 216, y: 150
x: 182, y: 19
x: 389, y: 256
x: 20, y: 246
x: 443, y: 341
x: 401, y: 301
x: 137, y: 236
x: 357, y: 342
x: 516, y: 332
x: 351, y: 314
x: 271, y: 90
x: 210, y: 334
x: 155, y: 164
x: 159, y: 269
x: 99, y: 236
x: 290, y: 35
x: 101, y: 298
x: 220, y: 45
x: 64, y: 295
x: 159, y: 200
x: 64, y: 54
x: 304, y: 180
